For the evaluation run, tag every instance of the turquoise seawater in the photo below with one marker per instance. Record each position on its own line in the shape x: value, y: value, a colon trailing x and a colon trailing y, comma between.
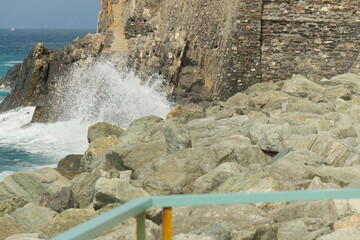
x: 26, y: 148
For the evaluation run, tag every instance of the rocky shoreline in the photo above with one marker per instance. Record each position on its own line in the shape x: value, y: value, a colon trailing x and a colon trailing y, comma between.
x: 290, y: 135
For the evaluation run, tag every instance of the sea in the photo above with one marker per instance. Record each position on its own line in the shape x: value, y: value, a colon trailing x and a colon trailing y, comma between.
x: 100, y: 92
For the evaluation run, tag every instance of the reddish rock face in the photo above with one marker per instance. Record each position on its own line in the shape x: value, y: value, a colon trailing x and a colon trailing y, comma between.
x: 59, y: 201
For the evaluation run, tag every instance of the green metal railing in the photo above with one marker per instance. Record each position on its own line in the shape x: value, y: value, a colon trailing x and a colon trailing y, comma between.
x: 137, y: 207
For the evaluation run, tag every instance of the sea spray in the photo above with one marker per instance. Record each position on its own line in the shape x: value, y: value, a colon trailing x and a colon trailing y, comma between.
x: 98, y: 92
x: 103, y: 91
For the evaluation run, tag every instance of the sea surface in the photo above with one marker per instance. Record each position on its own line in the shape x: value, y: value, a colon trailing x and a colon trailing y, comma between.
x: 100, y: 92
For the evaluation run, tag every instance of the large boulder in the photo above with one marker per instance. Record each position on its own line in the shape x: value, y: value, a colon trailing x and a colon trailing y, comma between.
x: 31, y: 185
x: 97, y: 147
x: 32, y: 218
x: 115, y: 191
x: 66, y: 220
x: 177, y: 136
x: 345, y: 233
x: 69, y: 166
x: 239, y: 220
x: 101, y: 130
x: 83, y: 186
x: 300, y: 86
x: 302, y: 229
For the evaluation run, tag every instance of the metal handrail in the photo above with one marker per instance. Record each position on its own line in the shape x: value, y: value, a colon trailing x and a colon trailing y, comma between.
x: 137, y: 207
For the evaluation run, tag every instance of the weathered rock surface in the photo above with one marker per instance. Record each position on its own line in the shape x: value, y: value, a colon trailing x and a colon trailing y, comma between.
x: 32, y: 218
x: 101, y: 130
x: 69, y: 166
x: 10, y: 205
x: 115, y: 191
x: 31, y: 185
x: 59, y: 201
x: 31, y: 236
x: 8, y: 226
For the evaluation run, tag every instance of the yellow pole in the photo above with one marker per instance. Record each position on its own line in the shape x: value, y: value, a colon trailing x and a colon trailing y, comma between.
x: 167, y: 224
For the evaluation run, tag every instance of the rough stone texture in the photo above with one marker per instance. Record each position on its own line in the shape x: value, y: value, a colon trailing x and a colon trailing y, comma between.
x: 102, y: 129
x: 31, y: 236
x: 352, y: 221
x: 97, y: 147
x: 302, y: 229
x: 69, y: 166
x: 30, y: 185
x: 115, y: 191
x: 177, y: 136
x: 204, y: 54
x: 32, y: 218
x: 83, y: 186
x: 36, y: 80
x: 345, y: 233
x: 66, y: 220
x: 127, y: 231
x: 59, y: 201
x: 247, y: 219
x: 8, y: 226
x: 10, y: 205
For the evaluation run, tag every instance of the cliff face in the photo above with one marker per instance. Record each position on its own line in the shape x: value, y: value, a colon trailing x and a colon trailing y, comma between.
x: 211, y: 49
x: 35, y: 80
x: 206, y: 49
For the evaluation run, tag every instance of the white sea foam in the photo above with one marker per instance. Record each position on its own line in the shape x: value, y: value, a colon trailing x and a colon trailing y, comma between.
x: 98, y: 93
x: 101, y: 92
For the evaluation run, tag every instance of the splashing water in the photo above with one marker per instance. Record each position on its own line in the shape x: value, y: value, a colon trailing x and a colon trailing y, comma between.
x: 103, y: 93
x: 98, y: 92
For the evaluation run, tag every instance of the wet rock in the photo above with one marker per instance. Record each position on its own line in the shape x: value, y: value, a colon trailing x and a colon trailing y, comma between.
x: 30, y: 185
x: 101, y: 130
x: 59, y: 201
x: 32, y: 218
x: 69, y: 166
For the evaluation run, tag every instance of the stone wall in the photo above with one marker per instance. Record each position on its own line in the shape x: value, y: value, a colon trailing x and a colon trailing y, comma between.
x: 210, y: 49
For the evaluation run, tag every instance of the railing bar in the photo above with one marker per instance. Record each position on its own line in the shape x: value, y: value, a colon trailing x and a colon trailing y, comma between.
x: 257, y: 197
x: 167, y: 224
x: 97, y: 225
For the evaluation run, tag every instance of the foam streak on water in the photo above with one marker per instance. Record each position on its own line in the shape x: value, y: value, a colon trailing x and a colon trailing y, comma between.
x: 99, y: 92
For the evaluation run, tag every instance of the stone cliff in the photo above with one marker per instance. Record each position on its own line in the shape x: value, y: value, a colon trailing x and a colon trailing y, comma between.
x: 206, y: 49
x: 212, y: 49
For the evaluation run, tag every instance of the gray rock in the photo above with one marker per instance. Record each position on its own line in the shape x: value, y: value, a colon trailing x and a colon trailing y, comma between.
x: 101, y: 130
x: 144, y: 129
x: 300, y: 86
x: 177, y: 135
x: 127, y: 231
x: 32, y: 218
x: 31, y: 185
x: 239, y: 100
x: 216, y: 231
x: 192, y: 237
x: 246, y: 220
x: 83, y: 186
x: 349, y: 81
x: 302, y: 229
x: 216, y: 177
x: 115, y: 191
